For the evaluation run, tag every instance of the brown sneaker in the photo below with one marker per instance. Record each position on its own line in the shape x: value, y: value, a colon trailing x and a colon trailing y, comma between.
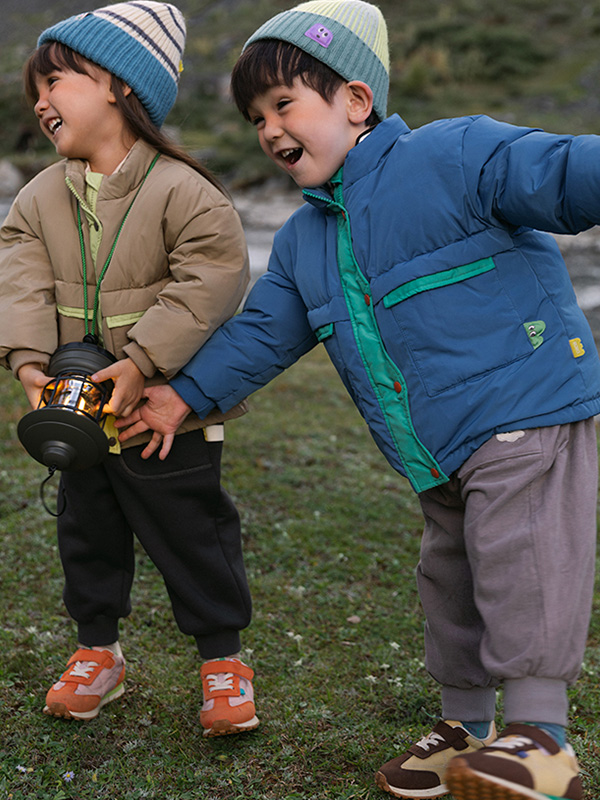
x: 421, y: 771
x: 524, y: 763
x: 91, y: 680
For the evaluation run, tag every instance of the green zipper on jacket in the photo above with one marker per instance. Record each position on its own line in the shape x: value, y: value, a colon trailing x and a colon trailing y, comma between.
x: 385, y: 378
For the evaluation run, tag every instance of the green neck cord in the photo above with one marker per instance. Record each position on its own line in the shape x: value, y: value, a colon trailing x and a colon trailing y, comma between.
x: 108, y: 260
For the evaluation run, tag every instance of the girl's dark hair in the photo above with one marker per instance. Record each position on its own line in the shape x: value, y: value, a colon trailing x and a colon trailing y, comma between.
x: 272, y: 62
x: 55, y: 55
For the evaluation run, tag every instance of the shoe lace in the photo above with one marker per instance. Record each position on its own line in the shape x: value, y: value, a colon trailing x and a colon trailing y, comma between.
x: 518, y: 744
x: 432, y: 739
x: 514, y: 743
x: 218, y: 681
x: 83, y: 669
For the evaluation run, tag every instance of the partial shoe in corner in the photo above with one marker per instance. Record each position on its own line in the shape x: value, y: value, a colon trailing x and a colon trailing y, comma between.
x: 421, y: 771
x: 92, y: 679
x: 228, y: 697
x: 524, y: 763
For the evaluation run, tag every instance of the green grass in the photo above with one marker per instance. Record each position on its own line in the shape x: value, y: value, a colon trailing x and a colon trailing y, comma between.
x: 331, y: 541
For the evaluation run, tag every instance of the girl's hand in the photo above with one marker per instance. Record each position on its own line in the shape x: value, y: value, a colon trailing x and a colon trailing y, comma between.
x: 129, y: 386
x: 33, y: 380
x: 163, y: 413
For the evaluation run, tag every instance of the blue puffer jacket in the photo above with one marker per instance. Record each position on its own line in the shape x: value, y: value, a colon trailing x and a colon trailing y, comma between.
x: 447, y: 314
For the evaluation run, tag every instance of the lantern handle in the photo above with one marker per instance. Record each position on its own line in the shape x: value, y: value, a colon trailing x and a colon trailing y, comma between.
x: 51, y: 471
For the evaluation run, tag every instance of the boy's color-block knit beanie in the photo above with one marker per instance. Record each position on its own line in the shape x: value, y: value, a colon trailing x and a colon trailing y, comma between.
x: 350, y: 36
x: 141, y: 42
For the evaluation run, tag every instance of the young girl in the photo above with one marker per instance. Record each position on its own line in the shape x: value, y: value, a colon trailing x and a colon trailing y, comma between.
x: 131, y: 243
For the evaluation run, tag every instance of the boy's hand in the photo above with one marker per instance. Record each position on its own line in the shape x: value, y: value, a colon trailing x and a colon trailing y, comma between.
x: 163, y: 413
x: 129, y: 386
x: 33, y: 380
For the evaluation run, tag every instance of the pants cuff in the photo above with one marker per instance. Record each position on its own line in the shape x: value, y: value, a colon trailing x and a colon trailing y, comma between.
x: 217, y: 645
x: 469, y: 705
x: 103, y: 630
x: 536, y: 700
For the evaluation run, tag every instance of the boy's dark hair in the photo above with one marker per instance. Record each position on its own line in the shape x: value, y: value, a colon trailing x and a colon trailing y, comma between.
x: 271, y: 62
x: 55, y: 55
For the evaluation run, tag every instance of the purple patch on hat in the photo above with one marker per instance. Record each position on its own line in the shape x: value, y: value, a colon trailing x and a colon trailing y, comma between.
x: 320, y: 34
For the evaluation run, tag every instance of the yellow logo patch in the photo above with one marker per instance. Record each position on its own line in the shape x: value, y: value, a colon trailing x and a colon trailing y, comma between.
x: 577, y: 348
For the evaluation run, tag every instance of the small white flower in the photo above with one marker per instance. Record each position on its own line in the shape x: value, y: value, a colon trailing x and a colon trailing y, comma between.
x: 68, y: 776
x: 371, y: 679
x: 394, y: 645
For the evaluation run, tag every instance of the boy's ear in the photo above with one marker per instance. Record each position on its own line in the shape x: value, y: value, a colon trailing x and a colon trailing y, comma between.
x: 359, y: 101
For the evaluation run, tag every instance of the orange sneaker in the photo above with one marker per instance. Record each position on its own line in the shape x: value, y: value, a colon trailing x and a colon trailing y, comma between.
x: 228, y: 697
x: 91, y: 680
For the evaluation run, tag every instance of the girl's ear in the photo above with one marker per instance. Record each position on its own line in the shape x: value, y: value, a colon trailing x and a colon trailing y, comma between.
x: 359, y: 101
x: 126, y: 90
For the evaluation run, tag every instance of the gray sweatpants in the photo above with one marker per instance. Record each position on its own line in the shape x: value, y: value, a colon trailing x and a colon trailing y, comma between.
x: 506, y: 574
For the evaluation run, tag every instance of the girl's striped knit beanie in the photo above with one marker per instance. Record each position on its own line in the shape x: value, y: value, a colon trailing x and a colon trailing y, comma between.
x: 141, y: 42
x: 350, y: 36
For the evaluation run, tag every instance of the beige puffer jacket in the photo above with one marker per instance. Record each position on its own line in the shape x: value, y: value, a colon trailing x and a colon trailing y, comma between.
x: 179, y: 270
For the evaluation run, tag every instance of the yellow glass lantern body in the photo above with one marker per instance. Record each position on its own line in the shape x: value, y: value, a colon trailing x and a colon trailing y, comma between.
x: 66, y: 430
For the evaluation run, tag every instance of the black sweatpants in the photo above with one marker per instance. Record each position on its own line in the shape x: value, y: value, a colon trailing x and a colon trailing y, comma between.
x: 185, y: 521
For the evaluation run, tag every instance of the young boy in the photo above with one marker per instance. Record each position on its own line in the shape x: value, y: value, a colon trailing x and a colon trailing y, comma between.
x: 452, y: 322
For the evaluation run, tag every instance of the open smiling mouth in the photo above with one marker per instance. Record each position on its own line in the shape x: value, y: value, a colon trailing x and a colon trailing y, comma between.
x: 292, y: 156
x: 54, y: 125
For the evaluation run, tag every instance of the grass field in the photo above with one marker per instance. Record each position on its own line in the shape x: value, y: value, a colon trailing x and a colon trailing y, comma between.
x: 331, y: 542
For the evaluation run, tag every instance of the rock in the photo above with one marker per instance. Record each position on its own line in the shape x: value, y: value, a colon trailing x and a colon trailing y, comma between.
x: 11, y: 179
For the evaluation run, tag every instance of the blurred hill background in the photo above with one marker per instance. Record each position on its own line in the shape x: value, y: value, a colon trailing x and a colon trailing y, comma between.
x: 533, y: 62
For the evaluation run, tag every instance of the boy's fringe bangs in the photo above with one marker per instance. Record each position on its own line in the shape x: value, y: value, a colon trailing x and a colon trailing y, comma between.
x: 47, y: 58
x: 271, y: 62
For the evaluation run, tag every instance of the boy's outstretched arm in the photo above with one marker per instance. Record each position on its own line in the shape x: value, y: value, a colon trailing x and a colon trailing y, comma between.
x: 163, y: 412
x: 270, y: 334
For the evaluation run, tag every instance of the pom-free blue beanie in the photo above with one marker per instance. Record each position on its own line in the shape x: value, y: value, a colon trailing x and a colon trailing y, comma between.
x: 141, y: 42
x: 350, y: 36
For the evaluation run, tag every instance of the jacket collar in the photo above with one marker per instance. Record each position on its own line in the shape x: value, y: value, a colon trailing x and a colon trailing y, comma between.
x: 120, y: 183
x: 363, y: 158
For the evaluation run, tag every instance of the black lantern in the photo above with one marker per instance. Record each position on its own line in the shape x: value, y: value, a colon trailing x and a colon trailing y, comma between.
x: 66, y: 429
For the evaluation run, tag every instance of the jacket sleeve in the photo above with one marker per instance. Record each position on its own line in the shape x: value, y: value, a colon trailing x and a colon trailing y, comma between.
x: 28, y: 328
x: 526, y: 177
x: 270, y: 334
x: 208, y: 264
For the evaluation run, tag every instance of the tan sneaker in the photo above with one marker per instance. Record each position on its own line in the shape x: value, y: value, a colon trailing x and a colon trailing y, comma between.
x: 524, y: 763
x: 421, y: 771
x: 228, y: 697
x: 91, y: 680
